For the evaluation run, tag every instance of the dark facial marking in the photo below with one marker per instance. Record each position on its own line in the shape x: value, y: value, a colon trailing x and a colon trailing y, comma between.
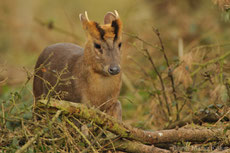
x: 119, y: 45
x: 101, y: 31
x: 116, y: 28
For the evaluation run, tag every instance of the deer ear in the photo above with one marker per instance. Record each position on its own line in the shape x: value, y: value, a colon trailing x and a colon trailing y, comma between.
x: 91, y: 28
x: 109, y: 17
x: 117, y: 25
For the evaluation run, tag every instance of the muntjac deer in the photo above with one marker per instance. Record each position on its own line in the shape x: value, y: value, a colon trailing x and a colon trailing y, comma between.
x: 91, y: 75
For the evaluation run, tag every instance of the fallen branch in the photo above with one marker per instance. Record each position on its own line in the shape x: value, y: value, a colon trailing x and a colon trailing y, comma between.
x: 132, y: 146
x: 224, y: 151
x: 128, y: 132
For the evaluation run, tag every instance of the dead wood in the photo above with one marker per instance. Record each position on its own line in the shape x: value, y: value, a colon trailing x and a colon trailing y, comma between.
x: 133, y: 146
x: 126, y: 131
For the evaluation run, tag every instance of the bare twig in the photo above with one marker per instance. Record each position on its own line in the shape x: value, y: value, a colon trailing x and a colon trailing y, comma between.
x: 169, y: 71
x: 152, y: 81
x: 83, y: 136
x: 161, y: 80
x: 210, y: 46
x: 228, y: 112
x: 138, y: 38
x: 111, y: 143
x: 148, y: 56
x: 95, y: 141
x: 51, y: 25
x: 3, y: 116
x: 25, y: 146
x: 201, y: 66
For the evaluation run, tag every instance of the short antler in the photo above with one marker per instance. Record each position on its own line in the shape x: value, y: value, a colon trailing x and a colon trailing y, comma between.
x: 84, y: 17
x: 116, y: 14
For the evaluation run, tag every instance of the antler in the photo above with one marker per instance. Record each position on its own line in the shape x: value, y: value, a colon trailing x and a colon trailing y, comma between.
x: 116, y: 14
x: 84, y: 17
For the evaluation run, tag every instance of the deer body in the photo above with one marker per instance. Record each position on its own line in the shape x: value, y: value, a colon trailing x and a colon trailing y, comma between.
x: 90, y: 75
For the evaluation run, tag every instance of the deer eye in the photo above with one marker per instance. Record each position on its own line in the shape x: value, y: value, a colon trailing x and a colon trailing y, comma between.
x: 97, y: 46
x: 119, y: 45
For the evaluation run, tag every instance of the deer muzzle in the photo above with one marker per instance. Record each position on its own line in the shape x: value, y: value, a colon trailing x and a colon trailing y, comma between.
x: 114, y: 69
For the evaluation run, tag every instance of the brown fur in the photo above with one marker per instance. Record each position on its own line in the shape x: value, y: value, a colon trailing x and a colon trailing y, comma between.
x: 86, y: 79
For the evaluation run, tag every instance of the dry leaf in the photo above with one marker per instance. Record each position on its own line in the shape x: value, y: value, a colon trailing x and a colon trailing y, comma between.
x: 182, y: 75
x: 182, y: 72
x: 219, y: 94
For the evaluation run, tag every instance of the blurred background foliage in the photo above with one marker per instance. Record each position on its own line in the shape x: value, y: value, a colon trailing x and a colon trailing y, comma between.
x: 199, y: 27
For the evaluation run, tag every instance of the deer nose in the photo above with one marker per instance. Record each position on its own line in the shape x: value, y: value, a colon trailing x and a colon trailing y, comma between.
x: 113, y: 70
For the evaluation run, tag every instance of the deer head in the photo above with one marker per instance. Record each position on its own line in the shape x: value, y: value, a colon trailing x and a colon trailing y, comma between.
x: 103, y: 47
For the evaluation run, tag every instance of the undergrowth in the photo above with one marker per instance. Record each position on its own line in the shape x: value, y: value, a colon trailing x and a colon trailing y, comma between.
x: 160, y: 91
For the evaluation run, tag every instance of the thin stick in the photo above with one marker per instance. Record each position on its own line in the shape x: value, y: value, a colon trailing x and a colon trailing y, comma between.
x: 161, y: 80
x: 3, y: 116
x: 83, y: 136
x: 25, y: 146
x: 138, y: 38
x: 50, y: 25
x: 110, y: 141
x: 228, y: 112
x: 169, y: 71
x: 151, y: 79
x: 159, y: 76
x: 201, y: 66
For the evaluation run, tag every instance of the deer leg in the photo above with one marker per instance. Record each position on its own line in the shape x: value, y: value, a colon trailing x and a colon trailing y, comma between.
x: 116, y: 111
